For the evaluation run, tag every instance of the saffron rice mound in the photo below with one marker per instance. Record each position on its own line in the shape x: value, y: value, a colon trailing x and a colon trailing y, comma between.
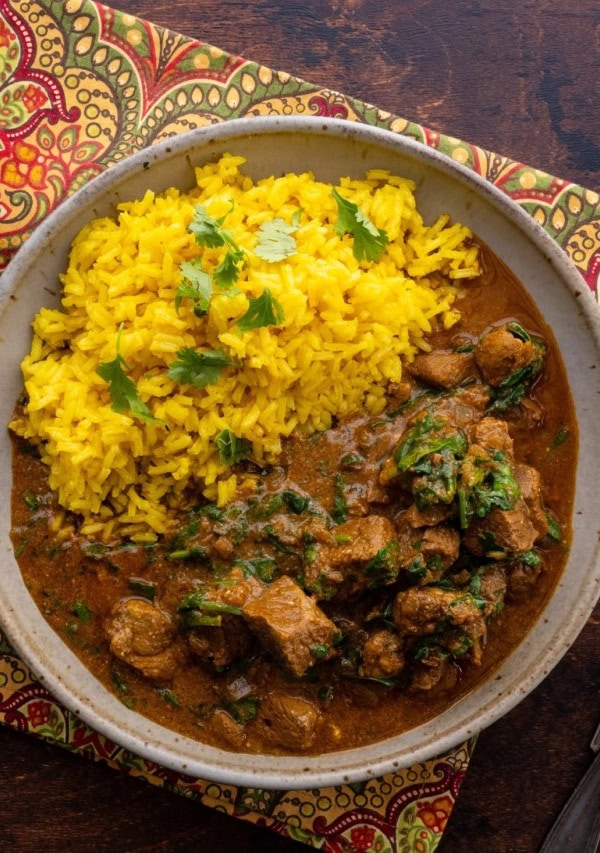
x: 344, y: 329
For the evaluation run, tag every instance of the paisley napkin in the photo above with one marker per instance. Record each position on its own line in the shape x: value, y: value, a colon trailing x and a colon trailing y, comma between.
x: 81, y: 87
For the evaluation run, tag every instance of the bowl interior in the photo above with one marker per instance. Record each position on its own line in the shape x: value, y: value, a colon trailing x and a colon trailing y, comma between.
x: 330, y: 149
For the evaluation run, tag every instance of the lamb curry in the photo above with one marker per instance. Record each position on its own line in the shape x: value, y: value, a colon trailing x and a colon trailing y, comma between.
x: 378, y: 572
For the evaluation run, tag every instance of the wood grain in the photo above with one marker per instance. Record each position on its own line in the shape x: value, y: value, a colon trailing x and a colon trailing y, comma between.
x: 520, y: 79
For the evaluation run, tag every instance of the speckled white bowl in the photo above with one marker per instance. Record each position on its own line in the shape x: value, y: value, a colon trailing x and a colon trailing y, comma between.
x: 331, y: 149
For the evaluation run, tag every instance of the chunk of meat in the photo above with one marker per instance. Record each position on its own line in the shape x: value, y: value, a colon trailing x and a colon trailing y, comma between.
x: 521, y: 578
x: 290, y: 625
x: 501, y: 533
x: 290, y: 721
x: 223, y: 547
x: 142, y: 635
x: 399, y: 393
x: 236, y: 589
x: 376, y: 492
x: 226, y: 728
x: 359, y: 541
x: 492, y: 434
x: 530, y: 484
x: 362, y: 554
x: 500, y: 353
x: 492, y: 589
x: 358, y: 496
x: 428, y: 517
x: 440, y: 545
x: 464, y: 406
x: 442, y: 369
x: 427, y: 553
x: 436, y: 674
x: 422, y: 611
x: 221, y: 645
x: 382, y: 655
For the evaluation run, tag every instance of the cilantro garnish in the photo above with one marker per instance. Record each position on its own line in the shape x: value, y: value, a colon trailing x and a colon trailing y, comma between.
x: 123, y: 392
x: 369, y: 241
x: 81, y: 610
x: 231, y: 448
x: 206, y: 229
x: 196, y: 285
x: 228, y: 271
x: 198, y: 368
x: 264, y: 310
x: 275, y: 241
x: 561, y: 436
x: 209, y: 233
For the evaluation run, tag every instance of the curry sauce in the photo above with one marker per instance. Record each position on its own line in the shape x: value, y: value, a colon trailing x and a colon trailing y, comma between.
x: 375, y: 574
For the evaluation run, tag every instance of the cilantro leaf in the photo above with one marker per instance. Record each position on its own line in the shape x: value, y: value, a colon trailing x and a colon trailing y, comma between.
x: 275, y: 241
x: 196, y: 285
x: 369, y: 241
x: 196, y: 368
x: 206, y: 229
x: 209, y: 233
x: 231, y: 448
x: 123, y: 391
x: 264, y: 310
x: 227, y: 272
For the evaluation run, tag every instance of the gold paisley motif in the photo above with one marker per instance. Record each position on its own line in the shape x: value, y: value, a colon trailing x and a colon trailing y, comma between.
x: 592, y: 197
x: 232, y: 98
x: 399, y: 125
x: 248, y: 83
x: 265, y: 75
x: 574, y: 204
x: 558, y: 220
x: 583, y: 247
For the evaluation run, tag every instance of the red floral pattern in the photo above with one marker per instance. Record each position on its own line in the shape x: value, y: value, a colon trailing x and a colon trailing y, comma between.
x: 362, y: 837
x: 38, y: 713
x: 434, y: 814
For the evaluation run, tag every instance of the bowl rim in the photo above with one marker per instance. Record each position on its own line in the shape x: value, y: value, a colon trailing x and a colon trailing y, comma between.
x: 289, y: 772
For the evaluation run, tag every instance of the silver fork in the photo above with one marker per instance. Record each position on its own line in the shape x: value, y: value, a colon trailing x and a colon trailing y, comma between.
x: 577, y: 828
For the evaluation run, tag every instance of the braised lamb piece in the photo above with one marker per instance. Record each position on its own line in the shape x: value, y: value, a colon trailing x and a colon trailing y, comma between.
x: 442, y: 369
x: 142, y: 636
x: 501, y: 353
x: 291, y: 625
x: 289, y: 720
x: 382, y: 655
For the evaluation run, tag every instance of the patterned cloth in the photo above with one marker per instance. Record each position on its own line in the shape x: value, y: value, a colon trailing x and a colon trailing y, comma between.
x: 81, y: 87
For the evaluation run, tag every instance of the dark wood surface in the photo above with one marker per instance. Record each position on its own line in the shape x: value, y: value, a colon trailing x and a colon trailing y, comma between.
x: 518, y: 78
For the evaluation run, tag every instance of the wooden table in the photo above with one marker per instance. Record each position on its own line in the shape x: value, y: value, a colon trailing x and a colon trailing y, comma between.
x: 520, y: 79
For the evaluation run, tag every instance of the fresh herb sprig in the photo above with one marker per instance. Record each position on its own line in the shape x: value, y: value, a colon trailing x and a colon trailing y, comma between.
x: 198, y: 368
x: 369, y: 241
x: 231, y: 448
x: 209, y: 233
x: 275, y: 241
x: 198, y: 611
x: 123, y: 391
x: 196, y: 285
x: 263, y: 310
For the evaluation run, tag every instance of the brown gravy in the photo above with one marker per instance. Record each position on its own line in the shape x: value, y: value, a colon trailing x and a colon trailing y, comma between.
x: 76, y: 583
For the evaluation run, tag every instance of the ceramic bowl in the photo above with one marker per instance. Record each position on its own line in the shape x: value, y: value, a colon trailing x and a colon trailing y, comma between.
x: 331, y: 149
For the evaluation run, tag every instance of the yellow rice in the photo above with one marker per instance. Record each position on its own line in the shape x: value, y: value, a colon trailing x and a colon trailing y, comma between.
x: 347, y: 327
